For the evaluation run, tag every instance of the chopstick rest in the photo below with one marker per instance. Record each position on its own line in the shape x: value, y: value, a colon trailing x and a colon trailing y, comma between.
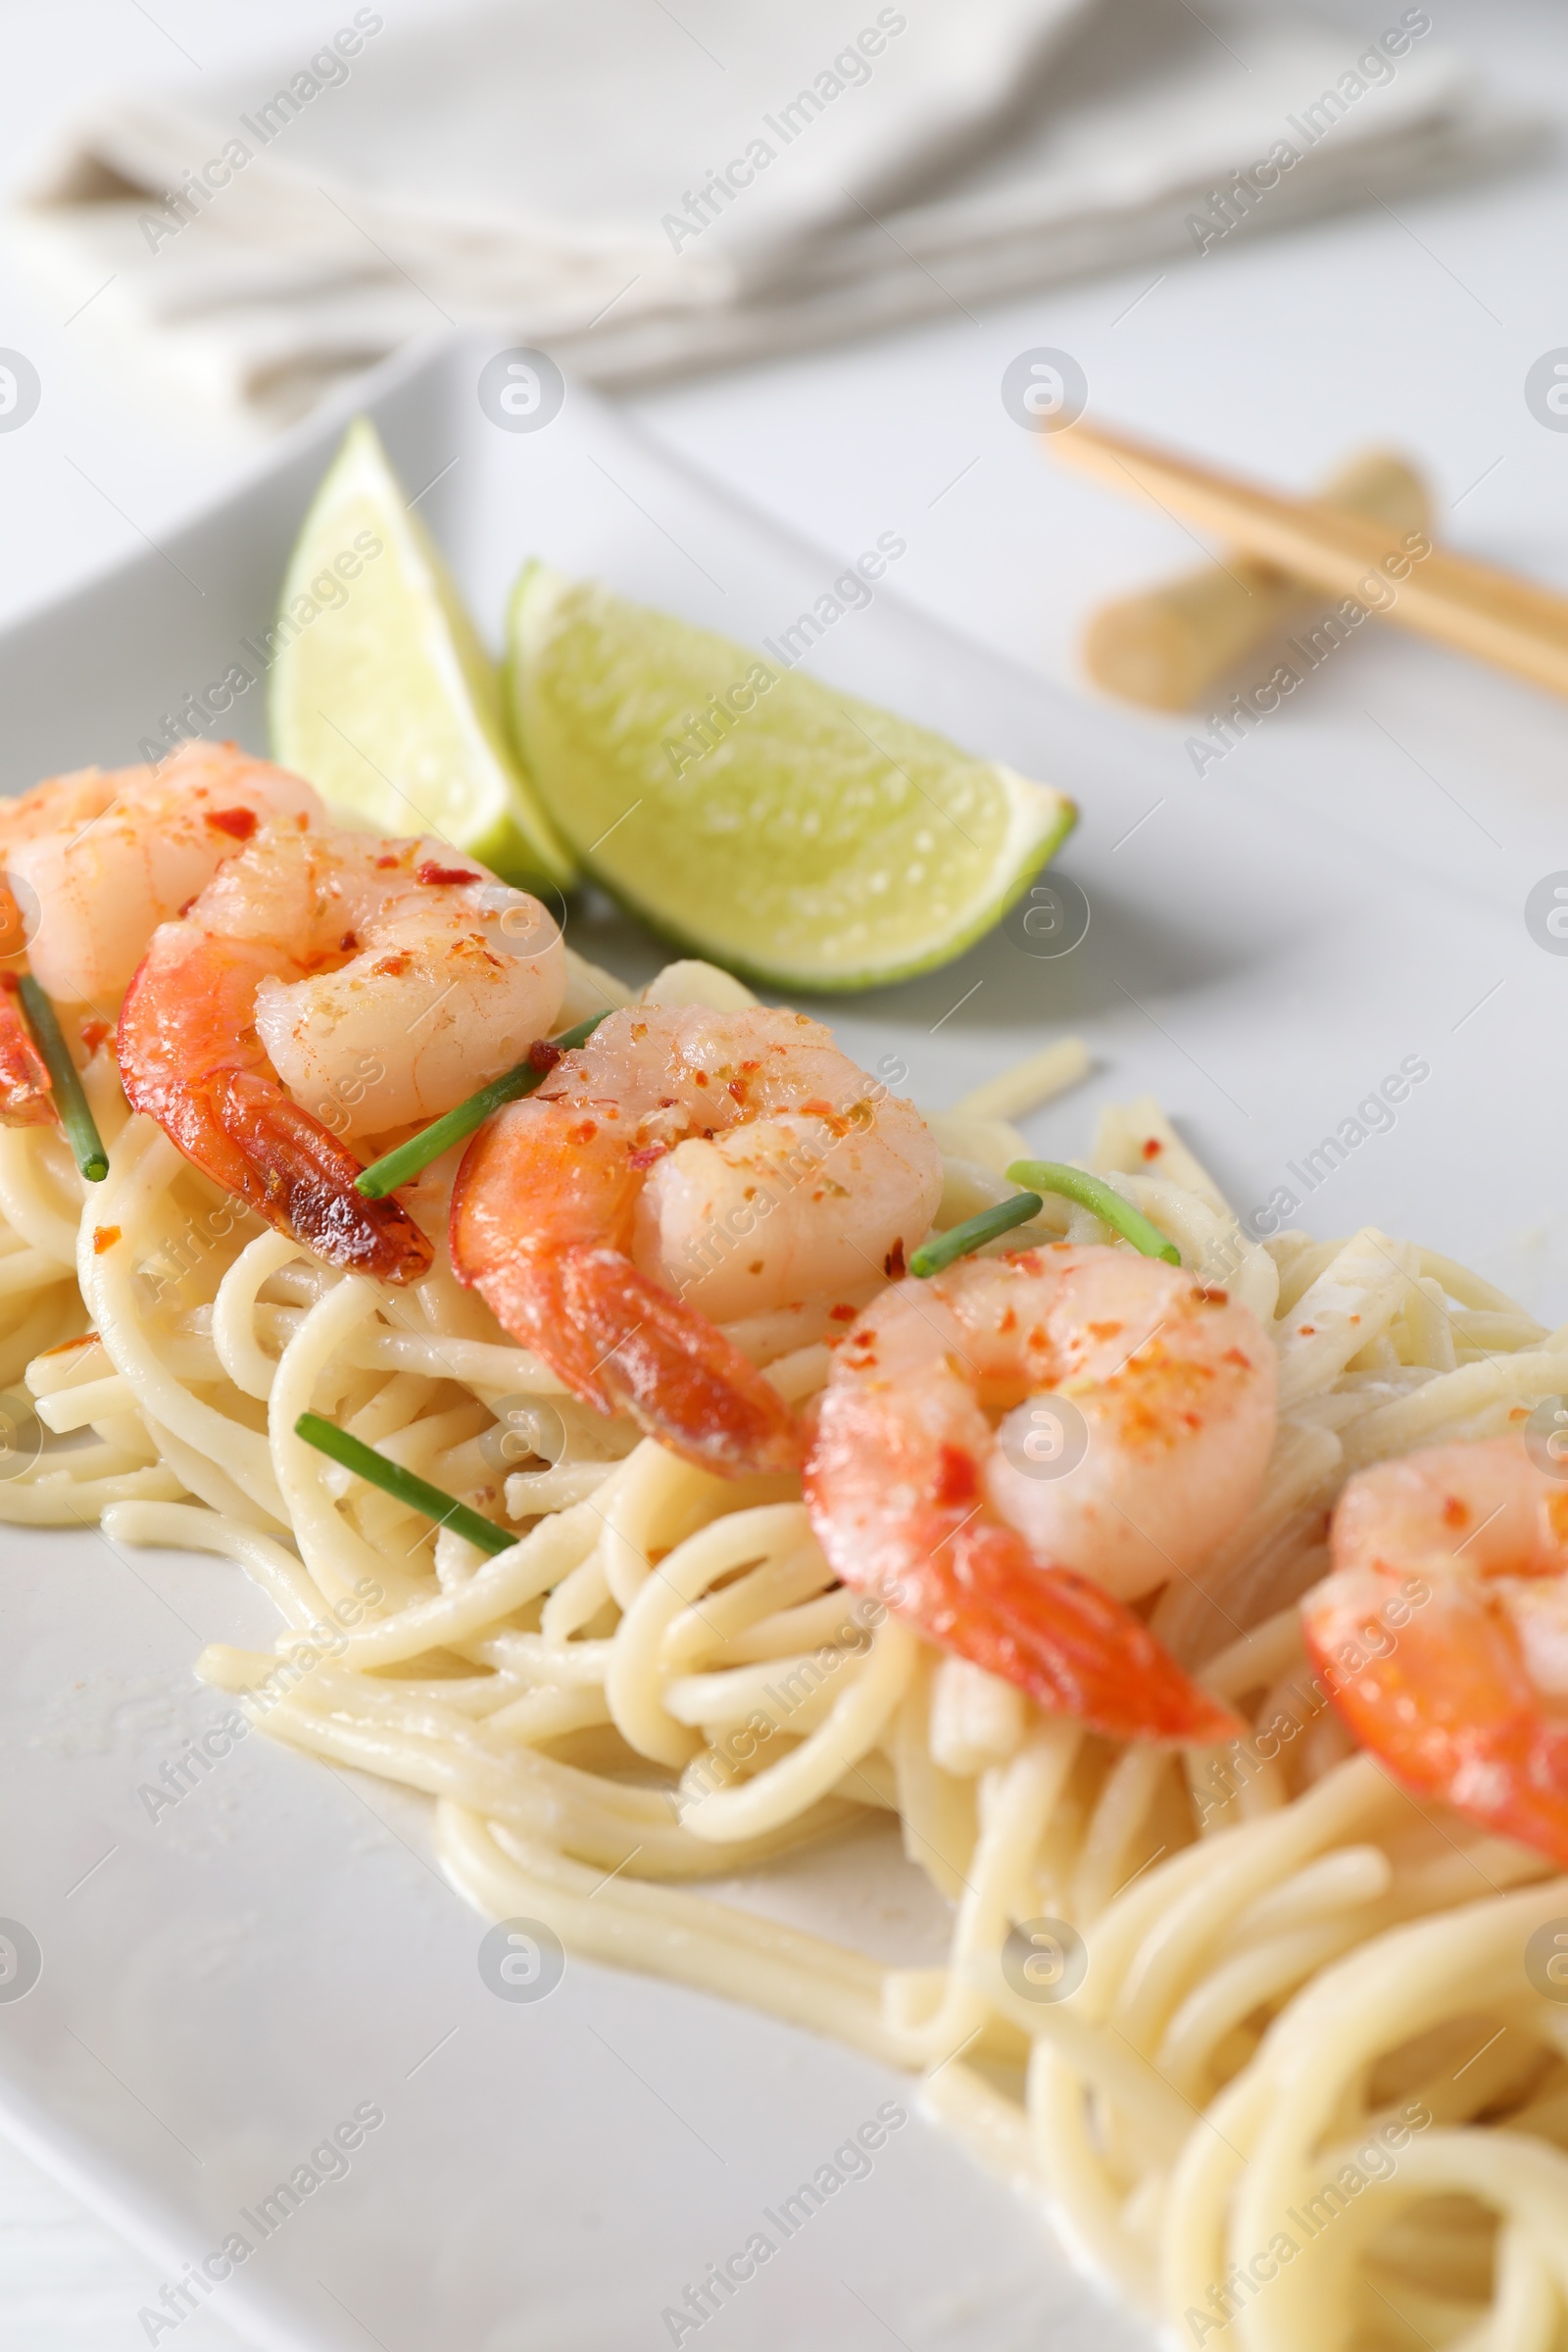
x: 1170, y: 645
x: 1477, y: 609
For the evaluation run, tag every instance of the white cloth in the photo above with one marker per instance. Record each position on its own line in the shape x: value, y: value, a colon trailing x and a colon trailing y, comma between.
x: 540, y: 166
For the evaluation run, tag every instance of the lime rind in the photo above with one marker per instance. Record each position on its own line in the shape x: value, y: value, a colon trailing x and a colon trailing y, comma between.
x: 383, y: 695
x: 754, y: 815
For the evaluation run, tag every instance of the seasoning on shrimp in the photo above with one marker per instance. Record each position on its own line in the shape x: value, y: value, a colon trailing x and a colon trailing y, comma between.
x: 685, y: 1165
x: 325, y: 985
x: 915, y: 1493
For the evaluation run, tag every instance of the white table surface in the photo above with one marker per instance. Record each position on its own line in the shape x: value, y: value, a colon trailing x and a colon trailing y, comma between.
x: 1414, y: 326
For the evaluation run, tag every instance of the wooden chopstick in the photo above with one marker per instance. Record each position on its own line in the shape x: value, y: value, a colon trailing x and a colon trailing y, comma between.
x: 1492, y: 615
x: 1167, y: 645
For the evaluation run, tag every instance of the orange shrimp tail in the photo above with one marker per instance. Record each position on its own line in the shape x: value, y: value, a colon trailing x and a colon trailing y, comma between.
x: 222, y: 1106
x: 1450, y: 1708
x: 27, y: 1091
x: 1066, y: 1640
x: 625, y: 1344
x: 293, y: 1172
x: 972, y: 1585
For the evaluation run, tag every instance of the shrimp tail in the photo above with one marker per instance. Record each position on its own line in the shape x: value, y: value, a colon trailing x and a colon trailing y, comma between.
x: 1449, y: 1706
x: 26, y: 1089
x: 1068, y: 1641
x: 1058, y: 1636
x: 228, y: 1113
x: 243, y: 1131
x: 972, y: 1585
x: 298, y: 1176
x: 625, y: 1344
x: 976, y: 1589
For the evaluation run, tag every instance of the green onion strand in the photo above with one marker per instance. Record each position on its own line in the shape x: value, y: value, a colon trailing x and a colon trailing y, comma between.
x: 974, y: 1232
x: 86, y: 1144
x: 1055, y: 1176
x: 418, y: 1492
x: 397, y: 1166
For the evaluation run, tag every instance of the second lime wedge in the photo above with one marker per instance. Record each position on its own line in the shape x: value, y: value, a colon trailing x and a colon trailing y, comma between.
x: 382, y: 695
x: 753, y: 813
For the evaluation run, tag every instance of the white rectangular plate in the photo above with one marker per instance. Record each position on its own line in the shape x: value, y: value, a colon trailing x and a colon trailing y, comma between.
x: 221, y: 1989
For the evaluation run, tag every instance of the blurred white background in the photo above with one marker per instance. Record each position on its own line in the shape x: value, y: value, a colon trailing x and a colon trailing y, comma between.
x: 1274, y: 353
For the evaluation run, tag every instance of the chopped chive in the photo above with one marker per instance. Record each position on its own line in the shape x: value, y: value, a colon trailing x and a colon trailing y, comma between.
x: 72, y: 1103
x: 1054, y: 1176
x: 418, y: 1492
x: 397, y: 1166
x: 960, y: 1240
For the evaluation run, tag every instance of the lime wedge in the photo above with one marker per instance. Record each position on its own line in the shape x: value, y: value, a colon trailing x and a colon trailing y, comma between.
x: 381, y: 694
x: 752, y: 814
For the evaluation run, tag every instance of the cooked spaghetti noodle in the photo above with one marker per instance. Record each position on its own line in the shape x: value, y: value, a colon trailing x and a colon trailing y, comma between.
x: 1306, y: 2094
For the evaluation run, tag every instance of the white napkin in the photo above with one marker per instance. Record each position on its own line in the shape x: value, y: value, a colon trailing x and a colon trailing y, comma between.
x: 643, y: 189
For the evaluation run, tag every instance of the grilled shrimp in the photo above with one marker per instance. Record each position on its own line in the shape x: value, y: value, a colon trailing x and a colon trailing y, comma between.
x: 325, y: 985
x: 95, y: 861
x: 937, y: 1481
x: 686, y: 1164
x: 1441, y: 1630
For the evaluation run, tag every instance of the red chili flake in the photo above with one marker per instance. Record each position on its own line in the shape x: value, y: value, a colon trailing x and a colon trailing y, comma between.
x: 103, y: 1237
x: 956, y: 1479
x: 1306, y: 1331
x: 240, y: 822
x: 390, y: 968
x: 583, y: 1133
x: 93, y: 1034
x: 1152, y: 1147
x: 542, y: 1054
x: 893, y: 1263
x: 383, y: 862
x: 1008, y: 1320
x: 1105, y: 1331
x: 1455, y: 1512
x: 755, y: 1266
x: 1213, y: 1294
x: 13, y: 985
x: 348, y: 942
x: 702, y: 1077
x: 737, y: 1089
x: 646, y: 1156
x: 432, y: 874
x: 1236, y: 1356
x: 841, y: 1315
